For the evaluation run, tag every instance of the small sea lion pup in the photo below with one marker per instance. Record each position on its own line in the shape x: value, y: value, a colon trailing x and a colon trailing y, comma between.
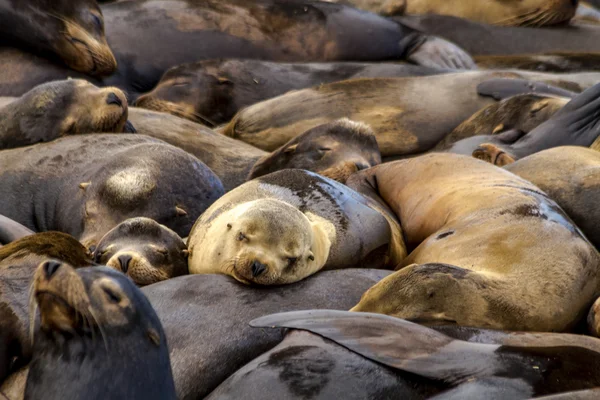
x: 285, y: 226
x: 99, y: 338
x: 18, y: 262
x: 61, y: 108
x: 212, y: 91
x: 499, y: 12
x: 85, y: 185
x: 144, y: 250
x: 71, y: 30
x: 335, y: 150
x: 576, y: 124
x: 490, y: 249
x: 339, y: 354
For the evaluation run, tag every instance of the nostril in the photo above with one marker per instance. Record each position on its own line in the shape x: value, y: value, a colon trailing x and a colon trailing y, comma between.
x: 50, y: 268
x: 114, y: 99
x: 258, y: 268
x: 124, y: 260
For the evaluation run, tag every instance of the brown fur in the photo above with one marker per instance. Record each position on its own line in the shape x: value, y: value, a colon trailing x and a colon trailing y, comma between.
x: 490, y: 249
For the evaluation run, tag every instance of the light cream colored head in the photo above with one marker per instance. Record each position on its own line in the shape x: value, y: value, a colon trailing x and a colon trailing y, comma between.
x: 266, y: 241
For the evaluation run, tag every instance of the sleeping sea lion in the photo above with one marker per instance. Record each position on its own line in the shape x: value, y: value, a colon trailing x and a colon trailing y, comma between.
x: 285, y: 226
x: 99, y: 338
x: 62, y: 108
x: 330, y: 354
x: 531, y: 13
x: 71, y: 30
x: 576, y: 124
x: 212, y: 91
x: 486, y: 248
x: 85, y: 185
x: 144, y: 250
x: 148, y: 37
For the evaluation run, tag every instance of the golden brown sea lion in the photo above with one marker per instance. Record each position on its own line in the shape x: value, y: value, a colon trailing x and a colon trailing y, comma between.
x: 490, y: 249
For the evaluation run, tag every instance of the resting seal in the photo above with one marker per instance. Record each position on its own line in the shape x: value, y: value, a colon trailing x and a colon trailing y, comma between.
x: 92, y: 320
x: 18, y: 261
x: 361, y: 355
x: 61, y: 108
x: 532, y: 13
x: 336, y: 149
x: 482, y: 238
x: 87, y: 184
x: 184, y: 304
x: 285, y: 226
x: 212, y: 91
x: 73, y: 31
x: 577, y: 124
x: 151, y: 36
x: 144, y: 250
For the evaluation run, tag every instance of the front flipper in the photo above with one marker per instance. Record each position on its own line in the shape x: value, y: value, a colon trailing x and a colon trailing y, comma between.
x: 440, y: 53
x: 502, y: 88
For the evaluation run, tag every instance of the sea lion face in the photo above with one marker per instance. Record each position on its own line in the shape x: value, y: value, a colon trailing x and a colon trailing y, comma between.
x: 187, y: 91
x: 81, y: 301
x: 75, y: 31
x: 335, y: 150
x: 95, y: 110
x: 537, y: 12
x: 144, y: 250
x: 267, y: 242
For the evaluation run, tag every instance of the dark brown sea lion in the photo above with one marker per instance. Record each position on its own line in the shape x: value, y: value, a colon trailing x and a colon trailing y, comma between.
x: 87, y: 184
x: 18, y: 261
x: 285, y: 226
x: 62, y: 108
x: 561, y: 62
x: 212, y: 91
x: 204, y: 355
x: 71, y: 30
x: 481, y: 238
x: 522, y: 113
x: 99, y: 338
x: 361, y: 355
x: 144, y: 250
x: 576, y: 124
x: 335, y: 150
x: 408, y: 115
x: 276, y: 30
x: 533, y: 13
x: 232, y: 160
x: 483, y: 39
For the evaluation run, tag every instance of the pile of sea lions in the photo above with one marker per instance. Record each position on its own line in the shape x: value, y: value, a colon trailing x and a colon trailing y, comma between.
x: 299, y: 199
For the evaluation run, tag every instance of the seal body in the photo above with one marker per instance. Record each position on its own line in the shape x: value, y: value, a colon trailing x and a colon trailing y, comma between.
x: 185, y: 303
x: 85, y: 185
x: 18, y: 262
x: 144, y: 250
x: 71, y: 32
x: 285, y: 226
x: 260, y: 29
x: 90, y: 319
x: 212, y: 91
x: 483, y: 242
x: 408, y: 115
x: 61, y: 108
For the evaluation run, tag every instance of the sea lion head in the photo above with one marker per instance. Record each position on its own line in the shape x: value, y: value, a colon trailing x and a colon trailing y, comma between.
x: 144, y: 250
x: 192, y: 91
x: 69, y: 107
x: 266, y: 241
x: 92, y: 319
x: 335, y: 150
x: 72, y: 30
x: 532, y: 13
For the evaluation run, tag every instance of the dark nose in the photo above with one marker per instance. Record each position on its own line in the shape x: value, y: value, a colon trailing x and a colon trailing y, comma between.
x: 575, y: 2
x: 50, y: 268
x: 124, y: 260
x: 114, y: 99
x: 361, y: 165
x: 258, y: 268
